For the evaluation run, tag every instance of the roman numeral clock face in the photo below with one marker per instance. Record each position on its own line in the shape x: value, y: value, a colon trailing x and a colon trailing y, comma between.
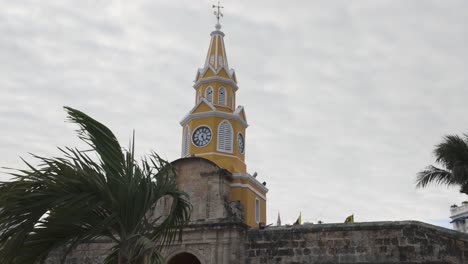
x: 201, y: 136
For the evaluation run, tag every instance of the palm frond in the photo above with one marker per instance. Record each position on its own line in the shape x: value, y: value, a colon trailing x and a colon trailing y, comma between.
x: 434, y: 175
x: 101, y: 139
x: 66, y: 201
x: 451, y: 152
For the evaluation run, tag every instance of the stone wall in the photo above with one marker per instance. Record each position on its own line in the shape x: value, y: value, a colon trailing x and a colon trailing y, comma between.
x: 232, y: 242
x: 207, y: 186
x: 93, y: 252
x: 374, y: 242
x: 217, y: 233
x: 212, y: 242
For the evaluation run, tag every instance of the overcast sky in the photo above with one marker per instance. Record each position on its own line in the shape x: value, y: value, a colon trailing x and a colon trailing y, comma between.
x: 345, y: 99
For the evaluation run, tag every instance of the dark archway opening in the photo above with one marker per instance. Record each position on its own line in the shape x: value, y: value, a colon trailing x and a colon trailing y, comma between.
x: 184, y: 258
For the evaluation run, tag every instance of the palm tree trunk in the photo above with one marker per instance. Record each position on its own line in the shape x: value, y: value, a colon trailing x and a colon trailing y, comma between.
x: 123, y: 259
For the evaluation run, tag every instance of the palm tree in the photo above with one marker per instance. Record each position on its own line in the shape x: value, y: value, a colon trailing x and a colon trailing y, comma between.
x: 71, y: 200
x: 452, y: 154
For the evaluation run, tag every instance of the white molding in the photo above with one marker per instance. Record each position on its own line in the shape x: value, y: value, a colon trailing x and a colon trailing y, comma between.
x: 236, y: 184
x: 216, y: 52
x: 220, y: 154
x: 202, y: 99
x: 193, y: 132
x: 216, y: 79
x: 225, y: 55
x: 248, y: 177
x: 259, y: 206
x: 238, y: 112
x: 217, y: 113
x: 217, y: 32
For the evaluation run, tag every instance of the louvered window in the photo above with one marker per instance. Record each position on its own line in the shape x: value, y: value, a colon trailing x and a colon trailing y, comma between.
x: 186, y: 142
x: 225, y: 137
x: 222, y: 96
x: 209, y: 94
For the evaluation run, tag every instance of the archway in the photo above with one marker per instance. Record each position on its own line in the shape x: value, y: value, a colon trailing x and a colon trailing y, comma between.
x: 184, y: 258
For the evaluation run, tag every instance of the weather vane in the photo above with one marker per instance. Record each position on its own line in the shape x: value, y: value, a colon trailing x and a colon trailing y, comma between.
x: 218, y: 13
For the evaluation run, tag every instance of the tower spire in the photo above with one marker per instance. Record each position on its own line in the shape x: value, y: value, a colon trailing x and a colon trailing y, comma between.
x: 216, y: 57
x: 218, y: 15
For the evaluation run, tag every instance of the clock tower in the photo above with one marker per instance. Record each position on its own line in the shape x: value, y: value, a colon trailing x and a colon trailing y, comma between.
x: 215, y: 127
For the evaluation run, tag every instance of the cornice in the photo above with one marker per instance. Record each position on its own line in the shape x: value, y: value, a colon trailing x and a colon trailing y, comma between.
x: 246, y: 176
x: 214, y: 113
x: 216, y: 79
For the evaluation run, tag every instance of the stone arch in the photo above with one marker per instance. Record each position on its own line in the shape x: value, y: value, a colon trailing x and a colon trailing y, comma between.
x: 183, y: 257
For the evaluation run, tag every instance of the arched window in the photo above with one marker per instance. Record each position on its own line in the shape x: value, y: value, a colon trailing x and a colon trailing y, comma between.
x: 209, y: 94
x: 232, y: 101
x: 225, y: 137
x: 222, y: 96
x: 186, y: 142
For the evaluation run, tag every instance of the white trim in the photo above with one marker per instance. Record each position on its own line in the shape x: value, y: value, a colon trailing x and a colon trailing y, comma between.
x: 191, y: 136
x: 221, y: 154
x: 248, y: 177
x: 216, y: 79
x: 229, y: 72
x: 257, y: 212
x: 238, y: 112
x: 202, y: 99
x: 219, y: 32
x: 217, y: 113
x: 207, y: 61
x: 216, y: 52
x: 229, y: 143
x: 225, y: 62
x: 233, y: 75
x: 236, y: 184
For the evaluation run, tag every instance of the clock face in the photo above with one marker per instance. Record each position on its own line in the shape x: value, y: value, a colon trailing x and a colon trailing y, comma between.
x: 240, y: 143
x: 201, y: 136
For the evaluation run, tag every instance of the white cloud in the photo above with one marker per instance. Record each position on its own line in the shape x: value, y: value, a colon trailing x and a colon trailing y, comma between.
x: 345, y: 99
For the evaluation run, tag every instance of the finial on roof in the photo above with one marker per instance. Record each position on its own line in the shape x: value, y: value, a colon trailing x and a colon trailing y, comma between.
x: 218, y: 15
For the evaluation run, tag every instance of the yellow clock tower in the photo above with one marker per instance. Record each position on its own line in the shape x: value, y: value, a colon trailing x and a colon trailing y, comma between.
x: 215, y: 128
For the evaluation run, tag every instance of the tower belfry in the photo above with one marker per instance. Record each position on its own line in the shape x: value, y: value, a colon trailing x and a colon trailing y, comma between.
x: 215, y: 128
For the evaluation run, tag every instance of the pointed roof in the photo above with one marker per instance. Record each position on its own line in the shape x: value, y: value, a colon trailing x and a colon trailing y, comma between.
x: 216, y: 57
x: 216, y: 63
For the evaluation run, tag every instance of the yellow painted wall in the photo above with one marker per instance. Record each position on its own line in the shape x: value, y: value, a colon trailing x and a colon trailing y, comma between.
x: 203, y: 107
x: 234, y: 161
x: 229, y: 107
x: 247, y: 198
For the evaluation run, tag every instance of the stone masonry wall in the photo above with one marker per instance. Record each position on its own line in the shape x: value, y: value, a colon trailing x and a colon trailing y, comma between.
x: 375, y: 242
x: 93, y: 252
